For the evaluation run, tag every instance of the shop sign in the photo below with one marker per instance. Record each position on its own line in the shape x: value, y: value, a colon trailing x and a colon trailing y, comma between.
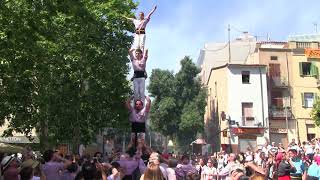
x: 248, y: 130
x: 312, y: 53
x: 18, y: 140
x: 278, y: 130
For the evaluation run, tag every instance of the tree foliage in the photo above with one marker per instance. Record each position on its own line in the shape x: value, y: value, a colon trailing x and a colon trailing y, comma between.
x: 63, y: 66
x: 179, y: 102
x: 315, y: 113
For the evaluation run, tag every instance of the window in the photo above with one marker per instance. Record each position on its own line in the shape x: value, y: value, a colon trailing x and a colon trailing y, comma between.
x: 245, y: 77
x: 308, y: 69
x: 311, y: 136
x: 308, y: 99
x: 247, y: 114
x: 274, y: 58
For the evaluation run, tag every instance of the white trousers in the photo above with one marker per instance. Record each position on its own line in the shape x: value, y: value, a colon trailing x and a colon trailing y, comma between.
x: 139, y: 88
x: 139, y: 41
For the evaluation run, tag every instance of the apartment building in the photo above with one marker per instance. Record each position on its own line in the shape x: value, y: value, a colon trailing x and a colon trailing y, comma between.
x: 304, y: 81
x: 237, y: 111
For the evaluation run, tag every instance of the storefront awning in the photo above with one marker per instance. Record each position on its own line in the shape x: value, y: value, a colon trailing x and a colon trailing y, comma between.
x: 19, y: 140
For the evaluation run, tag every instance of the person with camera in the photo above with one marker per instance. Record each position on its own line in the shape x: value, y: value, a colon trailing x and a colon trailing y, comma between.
x: 54, y: 164
x: 284, y: 166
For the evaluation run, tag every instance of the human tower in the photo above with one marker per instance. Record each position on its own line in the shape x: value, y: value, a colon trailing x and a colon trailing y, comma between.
x: 138, y: 56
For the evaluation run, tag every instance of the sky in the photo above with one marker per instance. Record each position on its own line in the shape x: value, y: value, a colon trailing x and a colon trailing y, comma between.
x: 180, y: 28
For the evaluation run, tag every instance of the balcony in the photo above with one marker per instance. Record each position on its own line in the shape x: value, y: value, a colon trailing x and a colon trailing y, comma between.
x: 280, y: 113
x: 279, y: 82
x: 249, y: 122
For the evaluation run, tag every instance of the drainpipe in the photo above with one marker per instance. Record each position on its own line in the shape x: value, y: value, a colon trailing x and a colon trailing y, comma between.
x: 262, y: 100
x: 286, y: 108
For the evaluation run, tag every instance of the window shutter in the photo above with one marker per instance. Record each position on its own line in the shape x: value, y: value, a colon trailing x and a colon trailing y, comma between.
x: 313, y: 70
x: 302, y: 99
x: 300, y: 69
x: 316, y: 71
x: 315, y: 98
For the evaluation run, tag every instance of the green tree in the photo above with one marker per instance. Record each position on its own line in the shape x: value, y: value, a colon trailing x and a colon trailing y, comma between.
x: 179, y: 103
x: 315, y: 113
x: 63, y: 67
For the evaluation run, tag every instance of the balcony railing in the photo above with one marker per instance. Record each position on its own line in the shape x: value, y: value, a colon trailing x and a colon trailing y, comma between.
x: 279, y: 82
x: 280, y: 113
x: 249, y: 122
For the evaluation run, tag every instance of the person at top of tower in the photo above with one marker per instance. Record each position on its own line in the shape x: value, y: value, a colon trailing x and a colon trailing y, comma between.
x: 139, y: 61
x: 140, y: 29
x: 138, y: 117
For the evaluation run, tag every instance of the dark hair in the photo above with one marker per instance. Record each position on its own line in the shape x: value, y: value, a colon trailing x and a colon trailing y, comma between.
x: 26, y: 173
x: 173, y: 163
x: 89, y: 171
x: 293, y: 151
x: 137, y: 101
x: 115, y: 165
x: 131, y: 151
x: 47, y: 155
x: 139, y: 50
x: 184, y: 157
x: 243, y: 177
x: 73, y: 167
x: 241, y: 158
x: 95, y: 154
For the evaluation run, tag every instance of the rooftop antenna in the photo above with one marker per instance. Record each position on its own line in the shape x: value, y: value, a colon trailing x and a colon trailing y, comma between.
x: 229, y: 43
x: 315, y: 27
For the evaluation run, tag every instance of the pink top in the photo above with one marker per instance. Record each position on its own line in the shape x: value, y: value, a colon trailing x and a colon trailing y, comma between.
x: 182, y: 170
x: 131, y: 165
x: 141, y: 24
x: 138, y: 116
x: 139, y: 65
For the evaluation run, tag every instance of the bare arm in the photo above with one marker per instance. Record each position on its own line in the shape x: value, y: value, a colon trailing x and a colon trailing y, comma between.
x: 256, y: 168
x: 131, y: 54
x: 128, y: 104
x: 148, y: 105
x: 146, y: 54
x: 151, y: 12
x: 131, y: 19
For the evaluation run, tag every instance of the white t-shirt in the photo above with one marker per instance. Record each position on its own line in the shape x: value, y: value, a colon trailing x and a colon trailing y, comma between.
x: 171, y: 174
x: 164, y: 172
x: 140, y: 117
x: 309, y: 149
x: 140, y: 24
x: 209, y: 173
x: 139, y: 65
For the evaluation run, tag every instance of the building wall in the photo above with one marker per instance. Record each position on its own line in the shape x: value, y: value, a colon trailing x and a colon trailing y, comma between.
x: 301, y: 84
x: 216, y: 103
x: 280, y: 131
x: 251, y: 92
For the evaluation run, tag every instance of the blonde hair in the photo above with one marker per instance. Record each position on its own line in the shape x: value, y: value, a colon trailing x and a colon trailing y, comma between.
x: 257, y: 177
x: 153, y: 172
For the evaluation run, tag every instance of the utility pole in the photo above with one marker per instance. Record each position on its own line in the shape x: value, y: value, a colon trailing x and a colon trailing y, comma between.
x: 229, y: 43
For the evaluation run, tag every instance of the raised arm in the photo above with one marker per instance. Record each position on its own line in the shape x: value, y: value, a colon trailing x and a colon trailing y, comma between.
x: 151, y: 12
x: 148, y: 105
x: 128, y: 104
x: 131, y: 19
x: 131, y: 54
x: 146, y: 54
